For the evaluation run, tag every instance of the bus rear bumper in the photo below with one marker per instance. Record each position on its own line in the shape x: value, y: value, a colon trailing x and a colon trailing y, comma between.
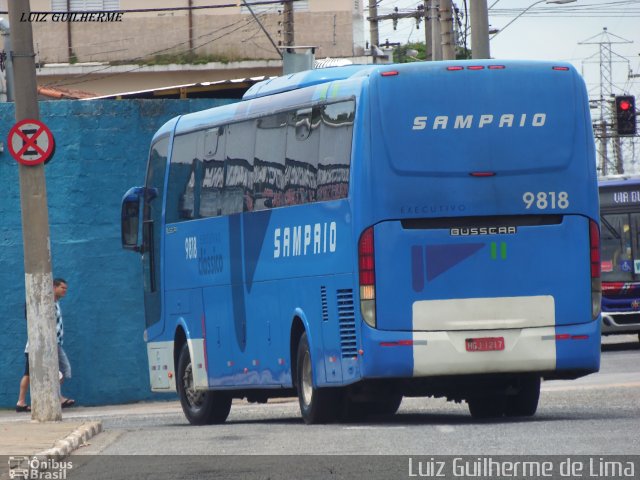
x: 620, y: 322
x: 423, y: 354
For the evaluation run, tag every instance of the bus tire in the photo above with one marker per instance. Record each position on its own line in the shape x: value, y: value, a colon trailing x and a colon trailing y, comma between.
x: 317, y: 405
x: 199, y: 406
x: 525, y: 402
x: 487, y: 406
x: 386, y: 406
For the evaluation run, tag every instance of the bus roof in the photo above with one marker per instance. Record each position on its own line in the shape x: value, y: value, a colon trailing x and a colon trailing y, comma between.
x: 304, y: 79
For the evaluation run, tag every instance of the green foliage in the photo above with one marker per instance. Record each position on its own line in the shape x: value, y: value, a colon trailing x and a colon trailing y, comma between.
x: 415, y: 52
x: 179, y: 59
x: 405, y: 53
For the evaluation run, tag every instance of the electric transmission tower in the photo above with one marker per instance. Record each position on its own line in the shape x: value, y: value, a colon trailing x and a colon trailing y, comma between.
x: 613, y: 151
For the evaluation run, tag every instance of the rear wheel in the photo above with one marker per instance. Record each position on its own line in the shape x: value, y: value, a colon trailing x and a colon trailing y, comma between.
x: 388, y: 405
x: 317, y: 405
x: 525, y: 402
x: 201, y: 407
x: 487, y: 406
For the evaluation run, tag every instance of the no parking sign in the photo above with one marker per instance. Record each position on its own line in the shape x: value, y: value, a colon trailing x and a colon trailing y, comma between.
x: 31, y: 142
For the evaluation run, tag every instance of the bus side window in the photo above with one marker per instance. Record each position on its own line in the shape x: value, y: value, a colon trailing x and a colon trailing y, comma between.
x: 211, y: 191
x: 301, y: 157
x: 336, y: 136
x: 238, y: 175
x: 269, y: 169
x: 184, y: 178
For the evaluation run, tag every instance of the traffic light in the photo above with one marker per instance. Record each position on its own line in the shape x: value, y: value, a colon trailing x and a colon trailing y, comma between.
x: 626, y: 114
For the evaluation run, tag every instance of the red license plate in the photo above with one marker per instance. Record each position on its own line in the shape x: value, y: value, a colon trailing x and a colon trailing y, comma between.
x: 484, y: 344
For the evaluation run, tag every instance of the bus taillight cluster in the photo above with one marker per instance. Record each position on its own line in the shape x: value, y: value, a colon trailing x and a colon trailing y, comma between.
x: 366, y: 267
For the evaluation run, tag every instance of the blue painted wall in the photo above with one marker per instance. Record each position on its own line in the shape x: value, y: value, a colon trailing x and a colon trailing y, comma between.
x: 101, y: 150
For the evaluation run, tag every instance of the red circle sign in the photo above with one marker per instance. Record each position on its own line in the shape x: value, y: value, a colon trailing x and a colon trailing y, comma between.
x: 31, y: 142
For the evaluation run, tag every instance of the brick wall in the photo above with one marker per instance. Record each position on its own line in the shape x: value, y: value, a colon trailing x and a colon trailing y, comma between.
x: 101, y: 149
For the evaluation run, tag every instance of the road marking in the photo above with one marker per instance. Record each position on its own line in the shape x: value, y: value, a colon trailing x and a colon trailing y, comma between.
x: 385, y: 427
x: 603, y: 386
x: 445, y: 429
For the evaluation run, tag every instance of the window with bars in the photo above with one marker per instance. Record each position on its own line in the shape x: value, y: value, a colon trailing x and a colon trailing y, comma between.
x: 85, y: 5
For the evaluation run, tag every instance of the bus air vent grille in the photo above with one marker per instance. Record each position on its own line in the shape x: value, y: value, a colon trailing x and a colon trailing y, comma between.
x: 347, y: 322
x: 325, y: 304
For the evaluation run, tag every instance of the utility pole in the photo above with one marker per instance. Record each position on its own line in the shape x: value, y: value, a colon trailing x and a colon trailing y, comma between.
x: 479, y: 29
x: 287, y: 24
x: 43, y: 349
x: 428, y: 50
x: 446, y: 30
x: 436, y: 40
x: 373, y: 28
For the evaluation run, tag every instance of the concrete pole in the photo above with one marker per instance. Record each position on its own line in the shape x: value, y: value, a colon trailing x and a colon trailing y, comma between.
x: 189, y: 25
x: 287, y: 24
x: 479, y: 29
x: 41, y: 324
x: 428, y: 51
x: 373, y: 28
x: 446, y: 29
x: 436, y: 40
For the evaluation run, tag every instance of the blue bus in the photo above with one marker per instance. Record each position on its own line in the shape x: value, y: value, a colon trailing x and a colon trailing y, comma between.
x: 358, y: 234
x: 620, y: 220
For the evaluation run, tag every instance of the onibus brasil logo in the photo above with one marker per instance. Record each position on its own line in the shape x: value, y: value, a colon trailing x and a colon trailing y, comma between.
x: 38, y: 468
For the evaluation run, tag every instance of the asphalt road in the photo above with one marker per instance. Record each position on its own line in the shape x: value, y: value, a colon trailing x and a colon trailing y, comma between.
x: 595, y: 415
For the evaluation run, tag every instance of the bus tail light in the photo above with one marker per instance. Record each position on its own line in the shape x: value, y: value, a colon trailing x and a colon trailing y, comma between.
x: 367, y: 273
x: 596, y: 287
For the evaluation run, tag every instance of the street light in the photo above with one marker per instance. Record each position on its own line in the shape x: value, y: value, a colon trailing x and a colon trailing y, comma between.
x: 559, y: 2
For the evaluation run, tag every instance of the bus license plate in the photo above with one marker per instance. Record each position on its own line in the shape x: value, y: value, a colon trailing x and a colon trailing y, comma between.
x: 484, y: 344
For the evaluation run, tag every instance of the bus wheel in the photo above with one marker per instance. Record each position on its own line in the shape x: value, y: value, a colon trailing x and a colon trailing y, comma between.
x: 201, y: 407
x: 386, y: 406
x: 525, y: 402
x: 492, y: 406
x: 317, y: 405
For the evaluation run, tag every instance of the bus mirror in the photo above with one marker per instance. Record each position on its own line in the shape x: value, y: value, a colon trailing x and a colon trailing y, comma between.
x: 130, y: 219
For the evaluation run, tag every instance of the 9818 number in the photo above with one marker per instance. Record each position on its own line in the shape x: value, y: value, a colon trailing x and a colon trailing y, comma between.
x: 545, y: 200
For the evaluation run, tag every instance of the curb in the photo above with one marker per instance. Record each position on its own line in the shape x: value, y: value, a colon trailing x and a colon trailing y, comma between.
x: 73, y: 441
x: 48, y: 463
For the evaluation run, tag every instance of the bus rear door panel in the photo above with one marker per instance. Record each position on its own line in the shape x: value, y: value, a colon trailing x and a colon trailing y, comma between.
x: 260, y: 360
x: 220, y: 336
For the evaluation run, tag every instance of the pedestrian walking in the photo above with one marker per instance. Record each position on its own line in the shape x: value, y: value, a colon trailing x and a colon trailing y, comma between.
x: 64, y: 366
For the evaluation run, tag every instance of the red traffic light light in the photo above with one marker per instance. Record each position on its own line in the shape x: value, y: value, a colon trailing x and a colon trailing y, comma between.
x: 625, y: 115
x: 625, y: 105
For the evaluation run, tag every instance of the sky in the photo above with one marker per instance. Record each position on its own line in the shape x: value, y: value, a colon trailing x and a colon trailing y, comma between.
x: 551, y: 32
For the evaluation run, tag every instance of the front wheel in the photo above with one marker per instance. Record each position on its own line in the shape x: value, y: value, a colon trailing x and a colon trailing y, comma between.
x: 201, y: 407
x: 317, y: 405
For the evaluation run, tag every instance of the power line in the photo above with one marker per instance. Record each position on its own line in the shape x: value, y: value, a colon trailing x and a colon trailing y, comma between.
x: 167, y: 9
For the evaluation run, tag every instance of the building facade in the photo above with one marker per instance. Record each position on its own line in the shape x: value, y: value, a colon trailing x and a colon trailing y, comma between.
x: 213, y: 30
x: 172, y: 42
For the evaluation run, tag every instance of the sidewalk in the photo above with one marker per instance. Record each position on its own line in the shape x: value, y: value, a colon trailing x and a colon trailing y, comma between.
x: 19, y: 435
